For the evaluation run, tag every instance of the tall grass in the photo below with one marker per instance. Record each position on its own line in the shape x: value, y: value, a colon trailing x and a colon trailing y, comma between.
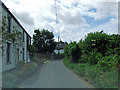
x: 12, y: 78
x: 99, y: 78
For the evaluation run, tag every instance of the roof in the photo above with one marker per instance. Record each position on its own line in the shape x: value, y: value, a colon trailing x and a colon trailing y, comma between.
x: 61, y: 45
x: 14, y: 18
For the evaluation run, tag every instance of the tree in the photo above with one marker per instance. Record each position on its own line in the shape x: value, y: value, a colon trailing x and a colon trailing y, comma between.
x: 97, y: 41
x: 32, y: 49
x: 43, y: 41
x: 73, y: 52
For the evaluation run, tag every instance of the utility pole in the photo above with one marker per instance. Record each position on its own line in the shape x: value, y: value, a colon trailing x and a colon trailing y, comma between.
x: 58, y: 45
x: 56, y: 14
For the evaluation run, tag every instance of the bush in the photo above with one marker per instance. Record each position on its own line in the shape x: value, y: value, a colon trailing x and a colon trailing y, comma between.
x: 73, y: 51
x: 84, y: 59
x: 96, y: 41
x: 96, y: 76
x: 114, y: 41
x: 92, y: 58
x: 117, y: 51
x: 66, y: 53
x: 98, y: 56
x: 109, y: 63
x: 32, y: 50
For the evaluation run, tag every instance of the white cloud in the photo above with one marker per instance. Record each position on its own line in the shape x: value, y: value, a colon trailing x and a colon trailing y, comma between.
x: 25, y: 18
x: 109, y: 28
x: 72, y: 25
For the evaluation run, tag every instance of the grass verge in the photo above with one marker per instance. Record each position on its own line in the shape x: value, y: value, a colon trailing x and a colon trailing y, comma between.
x: 98, y: 78
x: 12, y: 78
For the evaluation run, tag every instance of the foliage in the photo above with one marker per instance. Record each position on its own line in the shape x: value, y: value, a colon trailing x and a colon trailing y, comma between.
x: 73, y: 51
x: 32, y: 49
x: 84, y: 59
x: 114, y: 45
x: 114, y: 41
x: 66, y: 53
x: 99, y: 58
x: 97, y: 77
x: 93, y: 48
x: 109, y: 63
x: 13, y: 36
x: 11, y: 79
x: 96, y: 41
x: 43, y: 41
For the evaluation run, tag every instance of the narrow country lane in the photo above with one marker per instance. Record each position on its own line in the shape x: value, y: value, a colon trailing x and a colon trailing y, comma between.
x: 54, y: 74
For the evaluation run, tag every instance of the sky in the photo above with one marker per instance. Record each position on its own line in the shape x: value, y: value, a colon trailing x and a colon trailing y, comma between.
x: 75, y: 18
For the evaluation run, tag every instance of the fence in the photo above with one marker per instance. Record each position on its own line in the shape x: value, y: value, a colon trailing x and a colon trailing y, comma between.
x: 49, y: 56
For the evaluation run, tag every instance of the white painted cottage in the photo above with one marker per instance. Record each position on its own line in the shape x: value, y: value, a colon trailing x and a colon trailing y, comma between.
x: 11, y: 52
x: 60, y: 47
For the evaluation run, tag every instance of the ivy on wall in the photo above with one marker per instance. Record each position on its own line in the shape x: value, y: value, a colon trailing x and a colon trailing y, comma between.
x: 13, y: 36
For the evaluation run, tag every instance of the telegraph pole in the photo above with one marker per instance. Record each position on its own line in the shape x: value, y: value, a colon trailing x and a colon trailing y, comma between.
x: 56, y: 14
x: 58, y: 44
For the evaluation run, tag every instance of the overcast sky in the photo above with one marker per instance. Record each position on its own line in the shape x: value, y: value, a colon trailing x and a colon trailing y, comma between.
x: 75, y: 17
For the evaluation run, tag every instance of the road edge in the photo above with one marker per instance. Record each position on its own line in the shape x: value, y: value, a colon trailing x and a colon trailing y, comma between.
x: 88, y: 84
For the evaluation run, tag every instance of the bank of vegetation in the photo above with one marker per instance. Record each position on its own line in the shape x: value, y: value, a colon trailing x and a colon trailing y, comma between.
x: 13, y: 78
x: 96, y: 58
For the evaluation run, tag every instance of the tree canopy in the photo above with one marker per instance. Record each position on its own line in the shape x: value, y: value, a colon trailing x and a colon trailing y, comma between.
x: 44, y: 41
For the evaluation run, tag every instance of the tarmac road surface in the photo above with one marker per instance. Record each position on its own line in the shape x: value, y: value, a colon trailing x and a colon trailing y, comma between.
x: 53, y: 74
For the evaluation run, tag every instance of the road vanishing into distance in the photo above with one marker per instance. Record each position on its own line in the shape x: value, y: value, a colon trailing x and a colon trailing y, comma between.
x: 53, y: 74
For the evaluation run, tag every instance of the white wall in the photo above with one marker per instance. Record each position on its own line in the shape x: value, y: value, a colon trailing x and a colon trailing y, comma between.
x: 60, y: 51
x: 13, y: 48
x: 25, y: 45
x: 0, y: 46
x: 5, y: 65
x: 26, y: 54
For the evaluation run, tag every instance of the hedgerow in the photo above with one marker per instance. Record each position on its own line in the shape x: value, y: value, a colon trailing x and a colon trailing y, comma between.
x: 98, y: 50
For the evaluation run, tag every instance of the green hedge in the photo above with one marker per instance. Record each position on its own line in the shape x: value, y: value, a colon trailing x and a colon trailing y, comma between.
x: 97, y: 77
x: 97, y: 57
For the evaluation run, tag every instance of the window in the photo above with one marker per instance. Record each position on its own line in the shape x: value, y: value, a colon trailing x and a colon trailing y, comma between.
x: 23, y: 54
x: 9, y: 24
x: 17, y: 55
x: 8, y: 52
x: 27, y: 42
x: 23, y: 36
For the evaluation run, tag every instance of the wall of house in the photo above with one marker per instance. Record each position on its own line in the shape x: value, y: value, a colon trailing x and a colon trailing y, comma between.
x: 25, y: 48
x: 26, y: 52
x: 60, y: 51
x: 21, y: 47
x: 0, y: 46
x: 18, y: 46
x: 0, y: 36
x: 16, y: 50
x: 5, y: 65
